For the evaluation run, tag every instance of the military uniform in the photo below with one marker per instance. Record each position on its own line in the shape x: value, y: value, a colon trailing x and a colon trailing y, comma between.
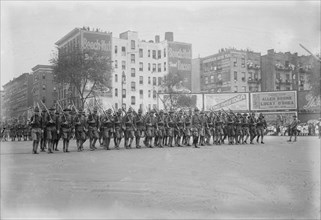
x: 52, y: 128
x: 160, y: 129
x: 196, y: 127
x: 150, y: 124
x: 180, y: 126
x: 66, y: 123
x: 187, y: 129
x: 129, y: 129
x: 93, y: 125
x: 252, y: 123
x: 140, y: 128
x: 107, y: 128
x: 239, y: 129
x: 118, y: 135
x: 260, y: 126
x: 80, y: 130
x: 36, y: 129
x: 245, y: 128
x: 294, y: 128
x: 170, y: 124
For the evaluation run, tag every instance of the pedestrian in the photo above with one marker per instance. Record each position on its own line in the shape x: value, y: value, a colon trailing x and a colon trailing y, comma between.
x: 293, y: 128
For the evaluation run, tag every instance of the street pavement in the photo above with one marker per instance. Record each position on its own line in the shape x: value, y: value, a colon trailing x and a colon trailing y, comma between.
x: 278, y: 179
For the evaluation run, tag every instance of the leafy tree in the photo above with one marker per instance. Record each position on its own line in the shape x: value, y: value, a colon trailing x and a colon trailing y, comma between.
x: 88, y: 71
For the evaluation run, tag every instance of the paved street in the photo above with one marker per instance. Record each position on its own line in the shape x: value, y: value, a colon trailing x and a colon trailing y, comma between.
x: 274, y: 180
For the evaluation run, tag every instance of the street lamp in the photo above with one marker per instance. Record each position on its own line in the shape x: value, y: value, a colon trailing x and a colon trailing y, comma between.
x: 123, y: 81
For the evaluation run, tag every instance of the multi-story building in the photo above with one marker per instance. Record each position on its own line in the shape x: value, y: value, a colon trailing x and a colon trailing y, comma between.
x: 139, y: 66
x: 2, y: 116
x: 285, y: 71
x: 44, y: 88
x: 18, y: 96
x: 196, y: 75
x: 231, y: 70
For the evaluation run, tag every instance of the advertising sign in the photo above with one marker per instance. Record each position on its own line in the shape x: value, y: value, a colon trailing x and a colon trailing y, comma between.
x: 97, y: 41
x: 278, y: 118
x: 308, y: 102
x: 273, y: 100
x: 233, y: 101
x: 180, y: 101
x: 180, y: 61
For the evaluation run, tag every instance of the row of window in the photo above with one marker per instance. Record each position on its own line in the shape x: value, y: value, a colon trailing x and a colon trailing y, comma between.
x: 141, y: 94
x: 155, y: 54
x: 243, y: 77
x: 154, y: 68
x: 141, y: 80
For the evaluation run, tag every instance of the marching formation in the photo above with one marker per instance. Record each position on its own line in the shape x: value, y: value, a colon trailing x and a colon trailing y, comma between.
x: 153, y: 129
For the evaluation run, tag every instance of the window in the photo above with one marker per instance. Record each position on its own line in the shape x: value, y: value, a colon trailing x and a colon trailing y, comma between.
x: 123, y: 51
x: 149, y: 93
x: 243, y: 76
x: 288, y: 88
x: 154, y: 94
x: 43, y: 76
x: 116, y: 92
x: 141, y: 94
x: 154, y: 67
x: 133, y: 100
x: 235, y: 88
x: 159, y: 54
x: 154, y: 81
x: 141, y: 67
x: 164, y: 52
x: 124, y: 93
x: 219, y: 77
x: 123, y: 79
x: 206, y: 80
x: 159, y: 81
x: 141, y: 53
x: 159, y: 67
x: 235, y: 75
x: 149, y: 80
x: 212, y: 79
x: 164, y: 66
x: 235, y: 61
x: 116, y: 64
x: 148, y: 53
x: 43, y: 87
x: 149, y: 67
x: 244, y: 88
x: 243, y: 62
x: 132, y: 58
x: 132, y: 44
x: 255, y: 76
x: 132, y: 72
x: 141, y: 80
x: 116, y: 49
x: 123, y: 65
x: 154, y: 54
x: 133, y: 86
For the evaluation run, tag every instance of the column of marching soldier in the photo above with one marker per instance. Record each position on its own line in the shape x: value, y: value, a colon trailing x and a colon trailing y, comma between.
x: 154, y: 129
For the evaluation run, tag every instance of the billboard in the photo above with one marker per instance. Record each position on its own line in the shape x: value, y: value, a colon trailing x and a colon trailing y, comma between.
x: 281, y: 100
x: 278, y: 118
x: 98, y: 41
x: 233, y: 101
x: 308, y: 102
x: 180, y: 61
x: 180, y: 101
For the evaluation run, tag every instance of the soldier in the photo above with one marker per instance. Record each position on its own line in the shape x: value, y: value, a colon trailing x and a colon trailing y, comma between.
x: 211, y: 128
x: 80, y: 129
x: 239, y: 129
x: 160, y: 129
x: 196, y: 126
x: 118, y: 121
x: 139, y: 124
x: 58, y: 134
x: 66, y: 128
x: 165, y: 139
x: 93, y: 129
x: 230, y: 128
x: 246, y: 128
x: 52, y: 129
x: 202, y: 128
x: 43, y: 142
x: 219, y: 128
x: 25, y: 130
x: 180, y: 126
x: 150, y: 128
x: 36, y: 125
x: 13, y: 129
x: 170, y: 124
x: 187, y: 128
x: 129, y: 129
x: 252, y: 123
x: 224, y: 126
x: 107, y: 128
x: 260, y: 126
x: 20, y: 129
x: 293, y: 128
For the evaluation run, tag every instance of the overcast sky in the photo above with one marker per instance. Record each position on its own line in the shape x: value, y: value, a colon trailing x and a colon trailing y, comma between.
x: 30, y: 29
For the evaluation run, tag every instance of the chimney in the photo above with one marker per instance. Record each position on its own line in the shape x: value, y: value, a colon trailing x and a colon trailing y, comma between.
x: 169, y: 36
x: 157, y: 39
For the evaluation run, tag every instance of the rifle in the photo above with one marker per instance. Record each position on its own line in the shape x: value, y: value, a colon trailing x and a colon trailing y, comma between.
x: 232, y: 112
x: 61, y: 108
x: 46, y: 109
x: 73, y: 104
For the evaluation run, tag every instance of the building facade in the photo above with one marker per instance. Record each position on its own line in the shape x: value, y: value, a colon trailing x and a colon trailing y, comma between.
x: 139, y: 66
x: 2, y: 110
x: 18, y: 96
x: 44, y: 89
x: 231, y: 70
x: 285, y: 71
